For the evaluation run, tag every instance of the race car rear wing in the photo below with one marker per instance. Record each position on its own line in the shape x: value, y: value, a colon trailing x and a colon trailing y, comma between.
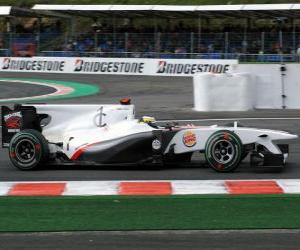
x: 17, y: 119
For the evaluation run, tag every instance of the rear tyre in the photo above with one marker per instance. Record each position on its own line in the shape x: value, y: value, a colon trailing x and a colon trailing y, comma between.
x: 28, y: 149
x: 223, y: 151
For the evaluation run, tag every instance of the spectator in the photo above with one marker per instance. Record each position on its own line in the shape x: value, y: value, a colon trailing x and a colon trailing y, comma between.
x: 210, y: 48
x: 69, y: 46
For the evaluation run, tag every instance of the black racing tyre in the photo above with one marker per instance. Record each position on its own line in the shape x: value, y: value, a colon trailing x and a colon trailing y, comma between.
x: 223, y: 151
x: 28, y: 149
x: 244, y: 152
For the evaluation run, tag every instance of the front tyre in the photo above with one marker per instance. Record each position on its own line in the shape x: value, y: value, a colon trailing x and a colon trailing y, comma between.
x: 28, y: 149
x: 223, y: 151
x: 244, y: 152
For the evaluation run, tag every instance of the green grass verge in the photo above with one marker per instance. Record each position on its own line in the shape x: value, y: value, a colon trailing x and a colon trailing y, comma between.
x: 145, y: 213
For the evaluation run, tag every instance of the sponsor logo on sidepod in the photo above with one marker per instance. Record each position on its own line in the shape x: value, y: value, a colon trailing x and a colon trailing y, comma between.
x: 189, y: 139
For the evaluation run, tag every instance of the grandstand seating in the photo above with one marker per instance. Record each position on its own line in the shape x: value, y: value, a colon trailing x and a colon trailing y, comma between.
x: 261, y: 47
x: 156, y: 31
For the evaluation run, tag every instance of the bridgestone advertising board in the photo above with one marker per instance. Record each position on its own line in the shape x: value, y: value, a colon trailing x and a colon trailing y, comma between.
x: 115, y: 66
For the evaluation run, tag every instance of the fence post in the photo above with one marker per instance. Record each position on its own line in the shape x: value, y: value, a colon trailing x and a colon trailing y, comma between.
x: 38, y: 35
x: 192, y: 44
x: 157, y: 43
x: 126, y: 44
x: 294, y: 37
x: 263, y: 42
x: 114, y: 42
x: 72, y: 26
x: 95, y: 41
x: 38, y: 42
x: 11, y: 44
x: 280, y: 41
x: 199, y: 33
x: 114, y: 34
x: 66, y: 39
x: 226, y: 43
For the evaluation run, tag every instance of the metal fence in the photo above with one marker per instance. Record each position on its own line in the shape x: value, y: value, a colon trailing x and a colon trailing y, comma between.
x: 242, y: 58
x: 227, y: 42
x: 259, y: 46
x: 4, y: 52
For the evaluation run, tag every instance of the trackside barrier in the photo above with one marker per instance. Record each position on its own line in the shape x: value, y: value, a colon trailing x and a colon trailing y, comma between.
x: 273, y: 86
x: 223, y: 92
x: 276, y: 86
x: 115, y: 66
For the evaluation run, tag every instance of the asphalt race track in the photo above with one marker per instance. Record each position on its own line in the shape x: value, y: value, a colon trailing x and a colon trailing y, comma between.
x: 17, y: 90
x: 159, y: 240
x: 167, y: 99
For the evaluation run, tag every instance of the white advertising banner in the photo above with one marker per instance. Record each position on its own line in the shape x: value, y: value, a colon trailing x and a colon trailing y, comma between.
x: 120, y: 66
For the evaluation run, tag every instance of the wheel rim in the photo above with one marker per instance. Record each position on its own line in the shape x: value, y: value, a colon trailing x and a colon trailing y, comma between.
x: 25, y: 151
x: 223, y: 151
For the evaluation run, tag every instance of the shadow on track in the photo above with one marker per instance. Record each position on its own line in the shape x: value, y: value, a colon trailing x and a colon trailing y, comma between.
x: 201, y: 165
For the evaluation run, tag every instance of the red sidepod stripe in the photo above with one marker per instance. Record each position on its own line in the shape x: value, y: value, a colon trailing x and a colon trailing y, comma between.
x: 80, y: 151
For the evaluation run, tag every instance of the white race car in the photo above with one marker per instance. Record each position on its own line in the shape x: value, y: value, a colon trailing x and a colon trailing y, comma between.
x: 38, y: 134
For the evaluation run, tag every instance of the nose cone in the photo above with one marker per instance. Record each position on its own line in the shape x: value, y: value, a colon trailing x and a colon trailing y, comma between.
x: 293, y: 136
x: 288, y: 136
x: 280, y: 135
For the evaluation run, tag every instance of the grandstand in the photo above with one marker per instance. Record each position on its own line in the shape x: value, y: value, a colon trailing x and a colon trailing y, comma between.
x: 252, y: 33
x: 17, y: 39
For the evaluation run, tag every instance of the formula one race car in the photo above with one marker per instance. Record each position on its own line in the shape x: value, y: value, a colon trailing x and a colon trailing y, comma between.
x: 38, y: 134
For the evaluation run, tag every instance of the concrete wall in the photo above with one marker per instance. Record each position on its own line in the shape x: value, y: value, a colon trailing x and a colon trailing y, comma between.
x: 271, y: 83
x: 223, y: 92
